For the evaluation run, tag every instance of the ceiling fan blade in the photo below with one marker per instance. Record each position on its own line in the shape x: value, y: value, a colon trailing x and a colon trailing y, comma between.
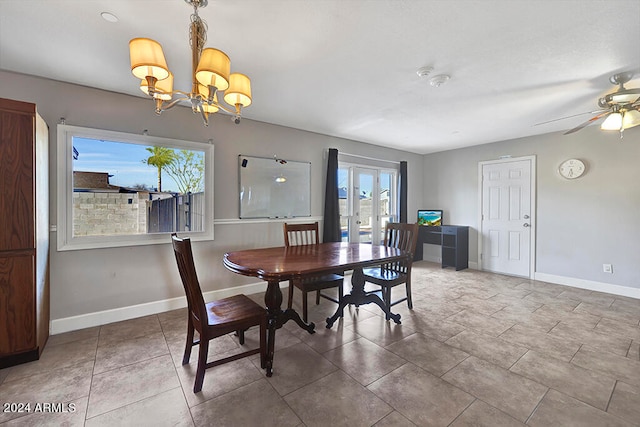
x: 588, y: 122
x: 569, y: 117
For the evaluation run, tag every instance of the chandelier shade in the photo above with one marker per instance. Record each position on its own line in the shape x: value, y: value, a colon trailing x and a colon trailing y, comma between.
x: 163, y: 88
x: 214, y: 68
x: 239, y: 92
x: 147, y: 59
x: 210, y: 78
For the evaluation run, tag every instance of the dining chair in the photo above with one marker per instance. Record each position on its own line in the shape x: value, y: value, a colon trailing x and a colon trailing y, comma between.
x: 307, y: 234
x: 401, y: 236
x: 216, y: 318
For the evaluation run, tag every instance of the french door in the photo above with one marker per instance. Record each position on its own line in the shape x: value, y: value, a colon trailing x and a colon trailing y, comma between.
x: 368, y: 202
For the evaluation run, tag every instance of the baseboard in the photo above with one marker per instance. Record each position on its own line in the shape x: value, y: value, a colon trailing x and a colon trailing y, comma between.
x: 589, y: 284
x: 98, y: 318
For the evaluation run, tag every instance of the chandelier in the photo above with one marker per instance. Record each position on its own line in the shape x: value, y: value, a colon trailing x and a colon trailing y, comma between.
x: 210, y: 72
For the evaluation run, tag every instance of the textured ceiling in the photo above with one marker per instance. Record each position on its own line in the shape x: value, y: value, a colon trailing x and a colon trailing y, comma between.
x: 347, y: 68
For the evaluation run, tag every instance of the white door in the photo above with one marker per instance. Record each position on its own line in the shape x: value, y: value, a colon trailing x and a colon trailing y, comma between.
x: 506, y: 221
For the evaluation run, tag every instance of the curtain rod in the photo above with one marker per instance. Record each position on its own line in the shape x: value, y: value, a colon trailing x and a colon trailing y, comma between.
x: 368, y: 158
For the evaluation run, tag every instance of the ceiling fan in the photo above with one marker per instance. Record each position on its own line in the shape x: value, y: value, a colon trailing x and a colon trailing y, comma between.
x: 620, y: 109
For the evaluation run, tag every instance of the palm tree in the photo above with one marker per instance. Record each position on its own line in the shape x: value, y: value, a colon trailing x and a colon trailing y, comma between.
x: 160, y: 157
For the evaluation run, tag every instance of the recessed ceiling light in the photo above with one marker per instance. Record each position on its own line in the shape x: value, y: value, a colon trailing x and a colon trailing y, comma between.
x: 439, y: 80
x: 424, y: 71
x: 109, y: 17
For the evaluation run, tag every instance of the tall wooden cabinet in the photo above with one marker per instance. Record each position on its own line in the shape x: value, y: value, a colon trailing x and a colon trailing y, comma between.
x: 24, y: 233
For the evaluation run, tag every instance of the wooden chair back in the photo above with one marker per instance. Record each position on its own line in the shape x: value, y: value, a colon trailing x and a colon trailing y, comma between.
x: 301, y: 234
x: 402, y: 236
x: 187, y: 269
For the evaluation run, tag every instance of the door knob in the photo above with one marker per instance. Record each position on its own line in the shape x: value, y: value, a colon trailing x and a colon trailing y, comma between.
x: 526, y: 217
x: 358, y: 222
x: 525, y: 224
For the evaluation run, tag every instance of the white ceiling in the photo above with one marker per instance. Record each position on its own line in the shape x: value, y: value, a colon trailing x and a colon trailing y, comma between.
x: 347, y: 68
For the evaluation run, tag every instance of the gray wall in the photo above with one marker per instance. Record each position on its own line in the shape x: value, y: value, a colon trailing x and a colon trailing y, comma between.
x: 87, y: 281
x: 581, y: 223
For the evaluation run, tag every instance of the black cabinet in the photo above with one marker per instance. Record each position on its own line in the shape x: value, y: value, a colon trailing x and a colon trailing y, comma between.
x: 454, y: 240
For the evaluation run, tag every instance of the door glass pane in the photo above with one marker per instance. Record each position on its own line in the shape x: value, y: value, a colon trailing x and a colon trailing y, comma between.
x: 365, y: 197
x: 386, y: 203
x: 343, y: 201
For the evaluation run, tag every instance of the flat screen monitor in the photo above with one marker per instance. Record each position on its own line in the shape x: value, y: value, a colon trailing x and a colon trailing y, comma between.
x: 431, y: 217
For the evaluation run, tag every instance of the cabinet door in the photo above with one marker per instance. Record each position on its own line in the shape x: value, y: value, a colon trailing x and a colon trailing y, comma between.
x: 17, y: 314
x: 16, y: 181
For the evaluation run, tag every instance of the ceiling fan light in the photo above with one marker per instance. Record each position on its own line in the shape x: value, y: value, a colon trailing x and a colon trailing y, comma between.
x: 630, y: 119
x: 613, y: 122
x: 239, y: 92
x: 147, y: 59
x: 163, y: 88
x: 214, y: 68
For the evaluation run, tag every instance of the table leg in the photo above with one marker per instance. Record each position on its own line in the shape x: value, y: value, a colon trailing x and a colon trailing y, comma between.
x: 277, y: 318
x: 359, y: 297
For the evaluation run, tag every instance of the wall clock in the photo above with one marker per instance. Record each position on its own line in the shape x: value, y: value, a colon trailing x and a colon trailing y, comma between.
x: 572, y: 168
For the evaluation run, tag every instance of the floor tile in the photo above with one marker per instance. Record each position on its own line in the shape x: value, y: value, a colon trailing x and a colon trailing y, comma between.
x: 421, y: 397
x: 509, y: 392
x: 337, y: 400
x: 128, y: 352
x: 542, y: 342
x: 364, y: 361
x: 62, y: 385
x: 428, y: 353
x: 618, y: 367
x: 609, y: 313
x: 68, y: 414
x: 426, y: 323
x: 296, y: 366
x: 218, y: 380
x: 620, y: 329
x: 266, y: 409
x: 558, y: 409
x: 481, y: 322
x: 487, y: 347
x: 168, y: 408
x: 394, y: 419
x: 56, y: 357
x: 381, y: 331
x: 592, y: 338
x: 625, y: 402
x: 129, y: 384
x: 67, y: 337
x: 480, y: 414
x: 588, y: 386
x: 129, y: 329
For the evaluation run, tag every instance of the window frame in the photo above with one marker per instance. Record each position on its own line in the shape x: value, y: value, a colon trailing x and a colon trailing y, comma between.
x: 66, y: 241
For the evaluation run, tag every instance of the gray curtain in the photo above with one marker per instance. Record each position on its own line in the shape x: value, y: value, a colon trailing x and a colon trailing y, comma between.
x: 403, y: 192
x: 331, y: 228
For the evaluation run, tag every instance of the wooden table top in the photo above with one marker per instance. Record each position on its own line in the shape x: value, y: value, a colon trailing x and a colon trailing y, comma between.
x: 284, y: 263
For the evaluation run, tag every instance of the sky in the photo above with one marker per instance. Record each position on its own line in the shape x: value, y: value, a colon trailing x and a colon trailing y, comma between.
x: 122, y: 160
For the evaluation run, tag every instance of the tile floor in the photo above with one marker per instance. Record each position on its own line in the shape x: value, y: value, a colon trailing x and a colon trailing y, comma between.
x: 478, y: 349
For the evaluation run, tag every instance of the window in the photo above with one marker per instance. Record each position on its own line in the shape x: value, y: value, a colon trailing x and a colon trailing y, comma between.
x: 118, y: 189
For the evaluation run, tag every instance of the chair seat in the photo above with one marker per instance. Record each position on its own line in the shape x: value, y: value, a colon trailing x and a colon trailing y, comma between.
x: 317, y: 283
x: 384, y: 276
x: 231, y: 311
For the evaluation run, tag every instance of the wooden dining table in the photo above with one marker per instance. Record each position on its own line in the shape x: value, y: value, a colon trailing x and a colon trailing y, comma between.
x: 275, y: 265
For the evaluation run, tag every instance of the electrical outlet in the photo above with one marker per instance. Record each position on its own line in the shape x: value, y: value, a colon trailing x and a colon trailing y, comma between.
x: 607, y: 268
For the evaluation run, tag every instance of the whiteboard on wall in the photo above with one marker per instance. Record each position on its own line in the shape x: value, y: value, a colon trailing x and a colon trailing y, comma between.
x: 274, y: 188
